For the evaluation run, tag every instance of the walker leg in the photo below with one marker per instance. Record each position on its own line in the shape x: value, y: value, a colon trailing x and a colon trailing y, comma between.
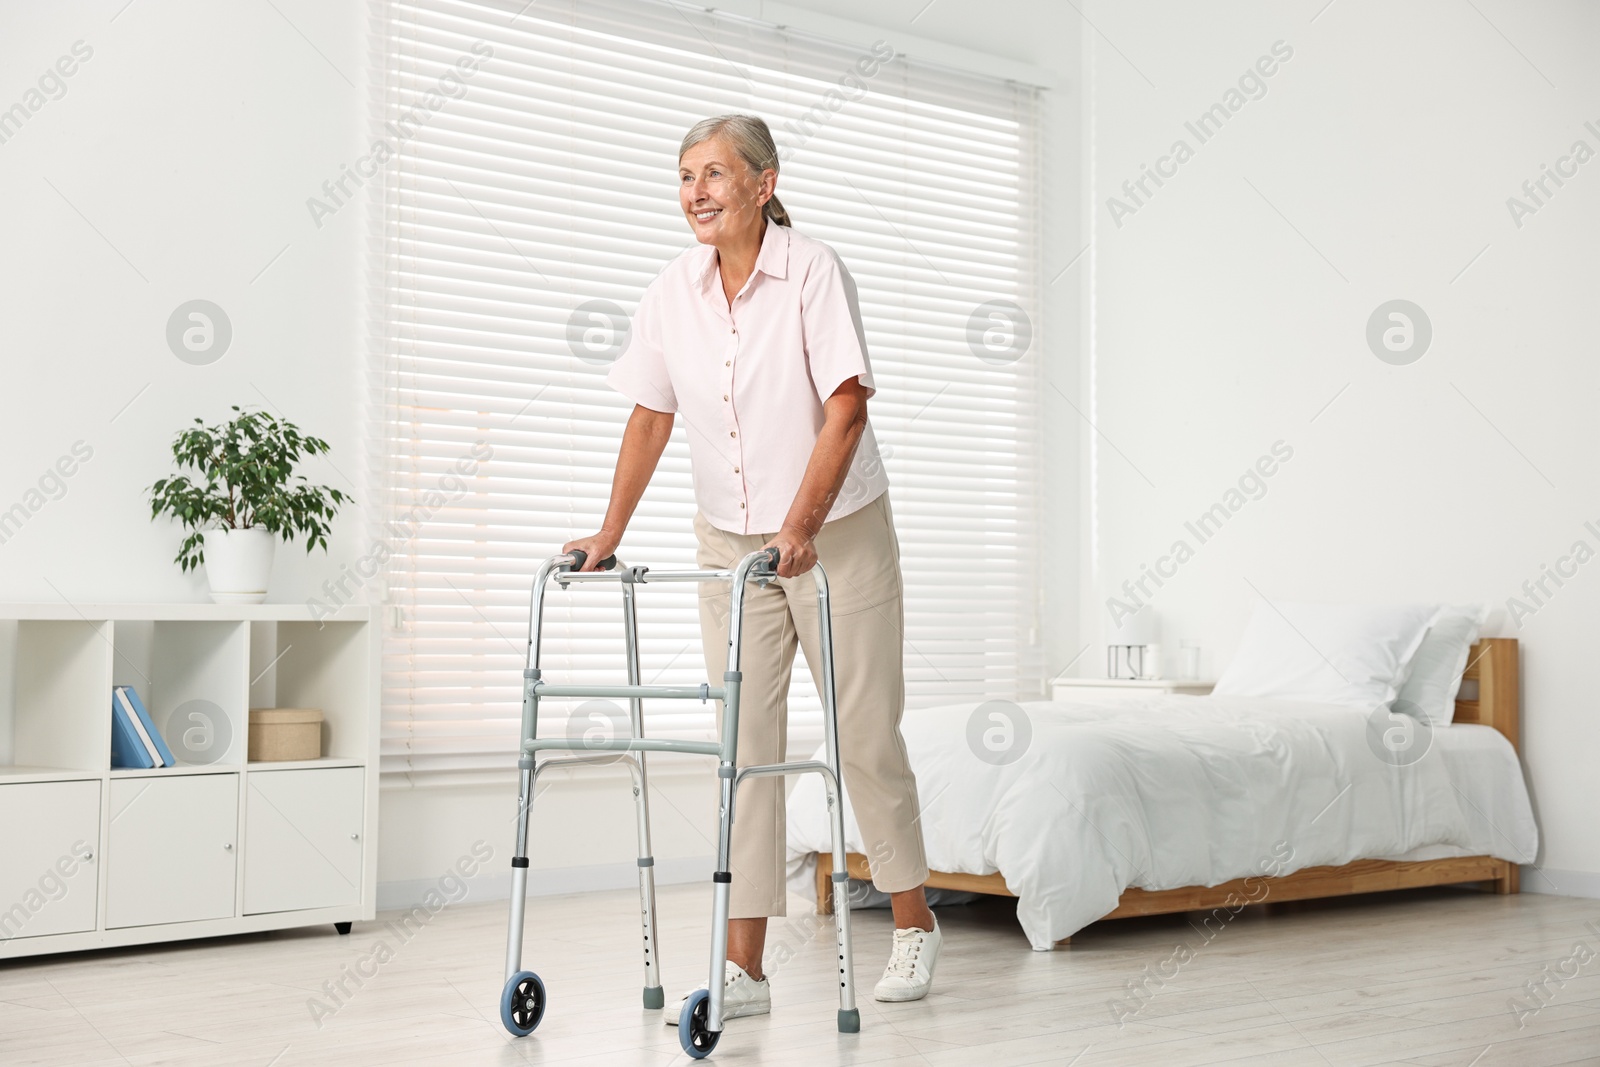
x: 519, y: 868
x: 722, y: 883
x: 522, y: 999
x: 654, y: 996
x: 849, y: 1014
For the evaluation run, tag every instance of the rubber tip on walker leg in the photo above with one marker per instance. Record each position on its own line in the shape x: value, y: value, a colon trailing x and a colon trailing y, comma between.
x: 654, y: 997
x: 850, y: 1021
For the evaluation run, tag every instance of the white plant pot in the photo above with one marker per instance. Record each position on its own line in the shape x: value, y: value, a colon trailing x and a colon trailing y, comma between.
x: 238, y: 563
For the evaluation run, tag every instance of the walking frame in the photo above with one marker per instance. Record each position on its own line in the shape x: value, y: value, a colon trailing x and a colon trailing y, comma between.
x: 522, y: 1000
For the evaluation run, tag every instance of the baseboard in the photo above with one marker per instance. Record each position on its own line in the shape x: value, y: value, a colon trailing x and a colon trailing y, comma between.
x: 1555, y: 882
x: 544, y: 883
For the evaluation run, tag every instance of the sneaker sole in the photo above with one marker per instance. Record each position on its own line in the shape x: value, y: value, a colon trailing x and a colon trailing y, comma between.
x: 898, y: 997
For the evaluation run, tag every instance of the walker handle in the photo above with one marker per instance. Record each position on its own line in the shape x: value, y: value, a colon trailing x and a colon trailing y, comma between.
x: 579, y: 557
x: 771, y: 562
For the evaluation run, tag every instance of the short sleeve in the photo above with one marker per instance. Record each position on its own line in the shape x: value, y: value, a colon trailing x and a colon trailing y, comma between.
x: 830, y: 316
x: 640, y: 372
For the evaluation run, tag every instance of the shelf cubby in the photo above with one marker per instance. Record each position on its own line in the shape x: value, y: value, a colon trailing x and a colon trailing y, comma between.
x: 61, y: 694
x: 191, y: 675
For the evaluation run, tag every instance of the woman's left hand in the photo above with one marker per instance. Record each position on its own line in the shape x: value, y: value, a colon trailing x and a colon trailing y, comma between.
x: 796, y: 554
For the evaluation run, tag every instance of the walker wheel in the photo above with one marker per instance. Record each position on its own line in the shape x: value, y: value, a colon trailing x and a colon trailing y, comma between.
x: 522, y: 1003
x: 696, y: 1039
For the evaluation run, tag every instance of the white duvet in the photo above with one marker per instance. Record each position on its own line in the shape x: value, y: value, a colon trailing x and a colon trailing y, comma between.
x: 1168, y: 791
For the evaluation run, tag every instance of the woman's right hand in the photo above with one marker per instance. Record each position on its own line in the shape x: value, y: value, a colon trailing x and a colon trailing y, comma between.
x: 596, y: 547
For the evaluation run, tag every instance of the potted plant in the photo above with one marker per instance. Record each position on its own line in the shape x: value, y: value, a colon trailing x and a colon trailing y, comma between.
x: 245, y: 502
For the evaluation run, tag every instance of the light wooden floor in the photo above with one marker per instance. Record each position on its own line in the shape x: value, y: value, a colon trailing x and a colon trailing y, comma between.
x: 1423, y: 977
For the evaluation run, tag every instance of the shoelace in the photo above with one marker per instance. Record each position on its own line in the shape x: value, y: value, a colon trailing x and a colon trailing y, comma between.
x: 907, y: 946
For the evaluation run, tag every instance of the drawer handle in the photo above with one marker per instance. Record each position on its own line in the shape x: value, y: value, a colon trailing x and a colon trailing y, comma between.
x: 228, y: 847
x: 355, y: 837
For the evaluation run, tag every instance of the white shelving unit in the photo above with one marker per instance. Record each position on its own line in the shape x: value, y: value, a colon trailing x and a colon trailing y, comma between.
x: 92, y: 857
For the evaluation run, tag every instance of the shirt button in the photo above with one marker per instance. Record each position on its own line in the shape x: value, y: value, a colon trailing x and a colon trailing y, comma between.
x: 733, y: 433
x: 736, y: 470
x: 724, y: 396
x: 741, y: 505
x: 727, y: 363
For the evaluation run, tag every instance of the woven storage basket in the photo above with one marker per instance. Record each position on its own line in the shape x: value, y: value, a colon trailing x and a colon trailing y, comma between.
x: 285, y: 734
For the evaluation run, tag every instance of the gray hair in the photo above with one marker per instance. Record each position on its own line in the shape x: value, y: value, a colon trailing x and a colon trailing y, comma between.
x: 750, y: 137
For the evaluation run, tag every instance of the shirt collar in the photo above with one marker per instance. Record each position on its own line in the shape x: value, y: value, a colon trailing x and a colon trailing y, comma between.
x: 772, y: 260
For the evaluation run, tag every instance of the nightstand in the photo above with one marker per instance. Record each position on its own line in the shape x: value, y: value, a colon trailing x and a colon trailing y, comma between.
x: 1124, y: 688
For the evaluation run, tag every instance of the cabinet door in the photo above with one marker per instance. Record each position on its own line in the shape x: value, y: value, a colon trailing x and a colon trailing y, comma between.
x: 172, y: 854
x: 302, y: 839
x: 49, y: 877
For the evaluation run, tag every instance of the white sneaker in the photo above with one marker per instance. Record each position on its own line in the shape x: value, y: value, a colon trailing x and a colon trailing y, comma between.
x: 741, y: 996
x: 909, y: 974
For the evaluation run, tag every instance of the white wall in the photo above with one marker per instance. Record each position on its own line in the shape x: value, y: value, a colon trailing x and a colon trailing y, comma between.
x: 188, y: 142
x: 1230, y: 309
x: 175, y: 165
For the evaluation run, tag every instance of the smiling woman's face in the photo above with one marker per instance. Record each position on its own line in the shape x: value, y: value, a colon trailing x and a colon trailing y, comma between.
x: 720, y: 195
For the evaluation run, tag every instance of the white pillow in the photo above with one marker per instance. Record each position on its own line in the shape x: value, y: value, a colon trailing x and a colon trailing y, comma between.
x: 1347, y: 654
x: 1429, y: 692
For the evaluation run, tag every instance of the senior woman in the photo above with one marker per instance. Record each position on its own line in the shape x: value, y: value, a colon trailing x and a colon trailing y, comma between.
x: 754, y: 336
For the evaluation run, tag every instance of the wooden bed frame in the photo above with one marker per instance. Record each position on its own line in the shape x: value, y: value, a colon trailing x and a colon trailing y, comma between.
x: 1492, y: 665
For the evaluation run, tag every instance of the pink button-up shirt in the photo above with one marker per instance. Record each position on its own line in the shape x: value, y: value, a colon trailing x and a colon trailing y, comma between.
x: 749, y: 382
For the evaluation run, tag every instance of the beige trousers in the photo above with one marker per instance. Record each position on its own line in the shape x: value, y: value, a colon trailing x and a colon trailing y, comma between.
x: 861, y: 556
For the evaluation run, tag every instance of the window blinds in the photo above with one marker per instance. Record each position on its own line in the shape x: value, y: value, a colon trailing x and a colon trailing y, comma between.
x: 529, y: 156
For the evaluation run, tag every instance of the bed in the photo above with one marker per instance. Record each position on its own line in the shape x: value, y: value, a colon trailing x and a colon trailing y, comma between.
x: 1183, y: 803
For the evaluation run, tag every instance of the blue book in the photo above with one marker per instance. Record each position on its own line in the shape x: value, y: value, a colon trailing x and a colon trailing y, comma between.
x: 126, y: 748
x: 149, y: 724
